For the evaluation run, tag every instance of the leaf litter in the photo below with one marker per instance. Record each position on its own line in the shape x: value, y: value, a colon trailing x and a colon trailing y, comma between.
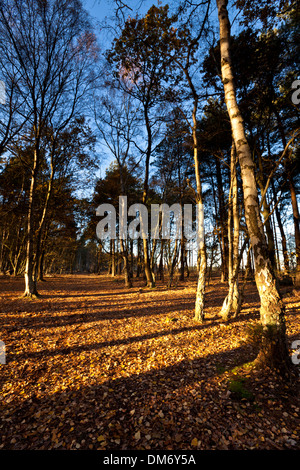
x: 93, y: 365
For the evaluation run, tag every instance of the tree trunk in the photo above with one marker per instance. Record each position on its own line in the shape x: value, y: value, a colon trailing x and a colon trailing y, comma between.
x: 124, y: 243
x: 200, y: 293
x: 273, y: 351
x: 148, y: 273
x: 232, y: 300
x: 222, y: 223
x: 118, y: 260
x: 286, y: 261
x: 147, y: 267
x: 99, y: 258
x: 296, y: 219
x: 138, y: 259
x: 296, y: 216
x: 2, y: 251
x: 40, y: 274
x: 131, y: 259
x: 126, y: 266
x: 112, y: 258
x: 186, y: 264
x: 30, y: 281
x: 266, y: 214
x: 182, y: 258
x: 40, y: 229
x: 161, y: 261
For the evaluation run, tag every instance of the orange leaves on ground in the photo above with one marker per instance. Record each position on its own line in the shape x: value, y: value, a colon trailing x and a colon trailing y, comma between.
x: 91, y: 365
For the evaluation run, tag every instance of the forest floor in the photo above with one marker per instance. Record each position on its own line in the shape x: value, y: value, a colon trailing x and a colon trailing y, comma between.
x: 92, y: 365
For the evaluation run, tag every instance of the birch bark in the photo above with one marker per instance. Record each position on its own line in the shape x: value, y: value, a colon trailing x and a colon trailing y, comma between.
x: 273, y: 351
x: 232, y: 300
x: 200, y: 294
x: 30, y: 282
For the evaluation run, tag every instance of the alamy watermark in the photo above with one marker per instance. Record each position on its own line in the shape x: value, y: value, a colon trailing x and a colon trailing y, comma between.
x: 2, y: 92
x: 2, y: 353
x: 296, y: 354
x: 296, y: 93
x: 165, y: 222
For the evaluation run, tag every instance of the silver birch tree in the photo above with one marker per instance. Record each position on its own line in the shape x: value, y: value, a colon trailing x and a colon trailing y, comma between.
x: 273, y: 351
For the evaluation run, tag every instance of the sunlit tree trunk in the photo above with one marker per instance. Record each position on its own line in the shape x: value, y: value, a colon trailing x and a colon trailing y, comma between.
x: 200, y: 294
x: 38, y: 251
x: 222, y: 223
x: 148, y: 273
x: 147, y: 266
x: 232, y: 301
x: 112, y: 258
x: 30, y: 281
x: 182, y: 258
x: 124, y: 243
x: 273, y: 351
x: 202, y: 260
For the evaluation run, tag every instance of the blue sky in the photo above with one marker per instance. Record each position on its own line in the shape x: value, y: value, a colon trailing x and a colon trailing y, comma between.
x: 101, y: 10
x: 105, y: 8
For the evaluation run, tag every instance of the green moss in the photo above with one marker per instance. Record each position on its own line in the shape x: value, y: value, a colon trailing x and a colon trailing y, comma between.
x: 220, y: 369
x: 237, y: 386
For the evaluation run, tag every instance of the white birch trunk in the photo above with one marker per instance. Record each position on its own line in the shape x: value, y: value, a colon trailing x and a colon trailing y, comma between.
x: 274, y: 350
x: 30, y: 281
x: 200, y: 293
x: 232, y: 300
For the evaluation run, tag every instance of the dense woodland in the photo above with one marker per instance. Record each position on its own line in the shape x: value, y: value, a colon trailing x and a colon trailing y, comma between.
x: 190, y: 103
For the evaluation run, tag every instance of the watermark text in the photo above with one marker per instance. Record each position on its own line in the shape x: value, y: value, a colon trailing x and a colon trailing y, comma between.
x: 164, y: 221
